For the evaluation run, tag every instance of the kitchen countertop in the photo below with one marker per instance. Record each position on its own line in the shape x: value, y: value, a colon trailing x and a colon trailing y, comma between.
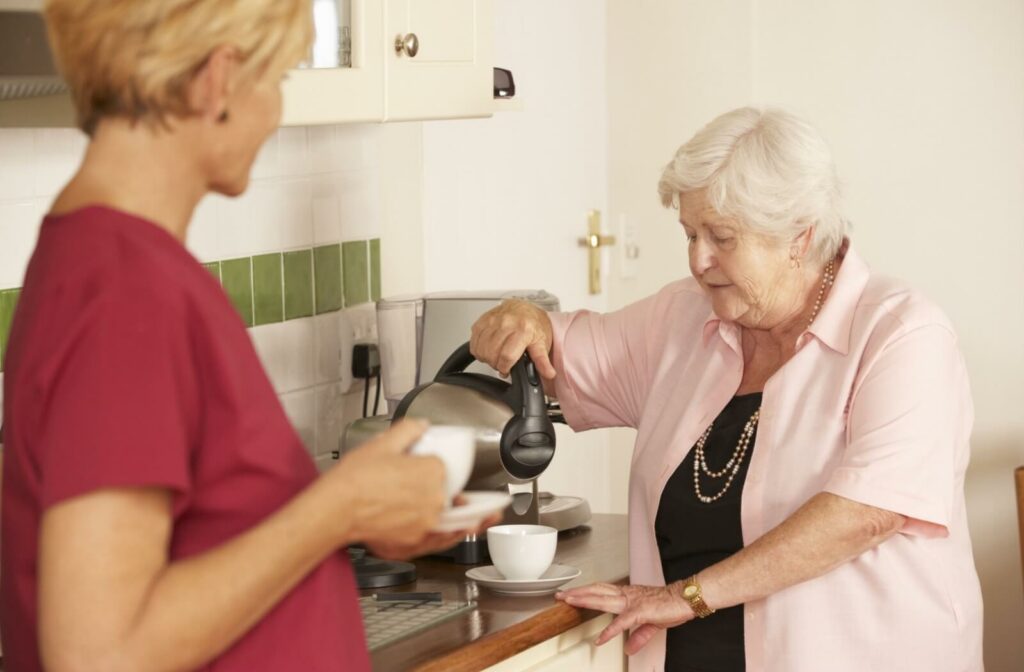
x: 502, y: 626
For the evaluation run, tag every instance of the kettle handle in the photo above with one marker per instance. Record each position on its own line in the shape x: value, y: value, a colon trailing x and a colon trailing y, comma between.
x: 457, y: 361
x: 526, y: 393
x: 528, y: 438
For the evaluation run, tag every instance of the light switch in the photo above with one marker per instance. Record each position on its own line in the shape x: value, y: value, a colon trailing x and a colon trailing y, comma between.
x: 629, y: 251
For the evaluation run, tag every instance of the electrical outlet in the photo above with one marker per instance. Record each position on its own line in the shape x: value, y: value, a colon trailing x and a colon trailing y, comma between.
x: 355, y: 325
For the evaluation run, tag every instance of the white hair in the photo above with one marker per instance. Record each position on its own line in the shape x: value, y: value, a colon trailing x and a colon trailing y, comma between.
x: 769, y: 170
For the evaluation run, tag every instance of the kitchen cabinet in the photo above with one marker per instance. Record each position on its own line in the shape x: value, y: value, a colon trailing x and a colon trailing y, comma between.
x: 451, y: 74
x: 345, y: 80
x: 572, y: 650
x: 410, y: 59
x: 373, y: 61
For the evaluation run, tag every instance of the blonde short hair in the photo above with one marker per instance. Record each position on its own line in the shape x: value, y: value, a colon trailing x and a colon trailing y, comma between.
x: 135, y: 58
x: 768, y: 169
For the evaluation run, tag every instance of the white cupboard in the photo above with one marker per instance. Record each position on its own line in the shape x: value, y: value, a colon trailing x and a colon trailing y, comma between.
x: 374, y: 60
x: 410, y: 59
x: 451, y: 74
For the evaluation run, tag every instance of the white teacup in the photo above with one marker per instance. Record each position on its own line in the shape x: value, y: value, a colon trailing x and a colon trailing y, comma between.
x: 522, y: 552
x: 456, y: 447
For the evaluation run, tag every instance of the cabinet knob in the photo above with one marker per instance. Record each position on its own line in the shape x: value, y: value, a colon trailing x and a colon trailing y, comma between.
x: 408, y: 45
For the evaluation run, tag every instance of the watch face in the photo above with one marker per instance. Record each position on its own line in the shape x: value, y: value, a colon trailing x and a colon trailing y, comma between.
x: 689, y: 591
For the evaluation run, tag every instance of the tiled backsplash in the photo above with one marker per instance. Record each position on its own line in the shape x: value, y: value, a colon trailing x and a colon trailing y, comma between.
x: 299, y: 254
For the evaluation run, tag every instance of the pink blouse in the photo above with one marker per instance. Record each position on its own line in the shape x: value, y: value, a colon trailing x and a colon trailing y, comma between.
x: 874, y: 406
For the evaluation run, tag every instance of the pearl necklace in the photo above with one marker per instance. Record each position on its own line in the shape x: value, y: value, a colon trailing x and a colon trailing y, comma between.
x: 732, y: 467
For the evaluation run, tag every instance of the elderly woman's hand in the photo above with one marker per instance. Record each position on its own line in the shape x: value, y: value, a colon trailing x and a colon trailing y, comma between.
x: 502, y: 334
x: 646, y: 608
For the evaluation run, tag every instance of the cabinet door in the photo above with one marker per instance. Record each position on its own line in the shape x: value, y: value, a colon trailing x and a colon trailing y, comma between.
x: 345, y: 81
x: 451, y: 75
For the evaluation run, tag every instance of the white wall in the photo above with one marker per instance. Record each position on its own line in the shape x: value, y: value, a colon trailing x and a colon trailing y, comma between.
x: 923, y: 103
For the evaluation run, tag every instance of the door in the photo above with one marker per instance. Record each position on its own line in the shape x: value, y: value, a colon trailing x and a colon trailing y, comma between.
x: 506, y: 199
x: 437, y: 56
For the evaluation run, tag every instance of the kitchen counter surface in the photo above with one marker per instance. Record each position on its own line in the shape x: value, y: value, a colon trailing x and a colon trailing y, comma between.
x: 502, y: 626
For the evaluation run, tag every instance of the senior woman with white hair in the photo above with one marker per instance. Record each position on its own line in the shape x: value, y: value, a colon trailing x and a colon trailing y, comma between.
x: 796, y: 492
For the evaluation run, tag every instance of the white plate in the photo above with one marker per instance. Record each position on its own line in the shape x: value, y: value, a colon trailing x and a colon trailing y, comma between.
x: 548, y: 582
x: 477, y: 507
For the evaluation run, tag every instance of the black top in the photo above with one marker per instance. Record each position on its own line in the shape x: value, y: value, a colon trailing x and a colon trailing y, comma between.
x: 693, y: 535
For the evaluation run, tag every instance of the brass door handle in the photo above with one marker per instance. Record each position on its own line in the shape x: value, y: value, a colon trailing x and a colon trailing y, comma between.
x: 594, y: 241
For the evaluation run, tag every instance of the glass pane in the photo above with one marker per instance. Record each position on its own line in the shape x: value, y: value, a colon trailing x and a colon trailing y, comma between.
x: 332, y: 46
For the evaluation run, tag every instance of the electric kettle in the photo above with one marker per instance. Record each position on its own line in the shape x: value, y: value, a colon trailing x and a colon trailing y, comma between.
x: 515, y: 436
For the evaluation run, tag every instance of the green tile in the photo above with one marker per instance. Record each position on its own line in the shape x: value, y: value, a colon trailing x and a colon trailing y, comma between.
x: 375, y: 269
x: 8, y: 301
x: 327, y: 272
x: 267, y: 294
x: 214, y: 268
x: 298, y: 284
x: 354, y: 263
x: 236, y: 276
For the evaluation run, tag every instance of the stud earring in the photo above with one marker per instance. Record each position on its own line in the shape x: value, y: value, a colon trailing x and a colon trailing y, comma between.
x: 794, y: 261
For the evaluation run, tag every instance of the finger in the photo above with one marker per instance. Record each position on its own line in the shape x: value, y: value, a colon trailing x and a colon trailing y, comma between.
x: 614, y: 605
x: 485, y: 346
x: 606, y: 589
x: 640, y: 637
x: 512, y: 348
x: 539, y: 354
x: 621, y: 623
x: 400, y: 436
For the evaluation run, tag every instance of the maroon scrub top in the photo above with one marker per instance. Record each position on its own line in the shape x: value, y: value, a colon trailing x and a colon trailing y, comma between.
x: 128, y: 366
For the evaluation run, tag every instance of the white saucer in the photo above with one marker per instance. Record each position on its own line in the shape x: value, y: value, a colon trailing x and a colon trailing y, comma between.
x: 477, y: 507
x: 548, y: 582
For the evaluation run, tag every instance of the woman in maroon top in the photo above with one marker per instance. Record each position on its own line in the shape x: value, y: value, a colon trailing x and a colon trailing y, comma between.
x: 159, y: 511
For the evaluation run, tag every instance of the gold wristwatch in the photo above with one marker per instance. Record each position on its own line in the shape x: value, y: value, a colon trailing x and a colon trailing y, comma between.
x: 693, y: 597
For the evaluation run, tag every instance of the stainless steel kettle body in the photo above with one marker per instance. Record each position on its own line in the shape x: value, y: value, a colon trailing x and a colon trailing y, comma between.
x: 515, y: 437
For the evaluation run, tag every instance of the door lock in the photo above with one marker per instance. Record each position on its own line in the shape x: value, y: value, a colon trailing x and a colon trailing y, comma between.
x: 594, y: 242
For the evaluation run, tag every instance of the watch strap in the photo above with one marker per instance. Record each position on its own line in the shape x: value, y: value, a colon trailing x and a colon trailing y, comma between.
x: 694, y: 597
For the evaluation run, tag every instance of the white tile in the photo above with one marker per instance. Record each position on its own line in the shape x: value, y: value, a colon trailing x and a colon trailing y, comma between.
x: 19, y: 229
x: 360, y: 204
x: 330, y: 418
x: 326, y: 211
x: 16, y: 164
x: 266, y: 163
x: 204, y: 229
x: 334, y: 410
x: 353, y: 403
x: 246, y: 222
x: 358, y: 145
x: 324, y: 156
x: 286, y: 350
x: 292, y: 214
x: 300, y: 407
x: 57, y: 154
x: 327, y: 360
x: 292, y: 151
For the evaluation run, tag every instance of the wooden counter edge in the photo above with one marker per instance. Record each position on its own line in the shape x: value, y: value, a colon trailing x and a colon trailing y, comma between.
x: 499, y: 646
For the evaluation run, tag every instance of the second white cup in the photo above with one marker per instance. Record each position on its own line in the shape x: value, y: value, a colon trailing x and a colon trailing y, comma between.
x: 522, y: 552
x: 456, y: 447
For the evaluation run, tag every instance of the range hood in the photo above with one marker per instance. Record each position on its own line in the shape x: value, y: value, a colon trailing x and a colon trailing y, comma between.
x: 26, y: 65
